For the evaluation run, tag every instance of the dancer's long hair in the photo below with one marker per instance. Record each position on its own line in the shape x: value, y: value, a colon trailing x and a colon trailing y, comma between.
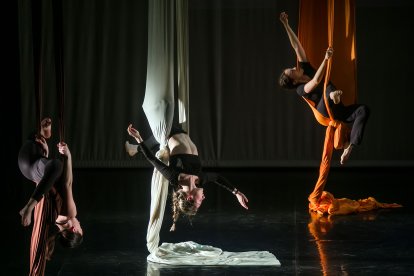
x: 180, y: 204
x: 67, y: 239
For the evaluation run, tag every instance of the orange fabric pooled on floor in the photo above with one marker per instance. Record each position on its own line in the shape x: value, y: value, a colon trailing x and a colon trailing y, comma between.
x: 328, y: 204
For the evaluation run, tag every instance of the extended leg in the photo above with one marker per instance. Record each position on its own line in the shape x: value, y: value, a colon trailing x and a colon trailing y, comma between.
x: 357, y: 115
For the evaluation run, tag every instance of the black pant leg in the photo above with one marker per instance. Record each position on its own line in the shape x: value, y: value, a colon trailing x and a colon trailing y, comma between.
x: 357, y: 115
x: 53, y: 170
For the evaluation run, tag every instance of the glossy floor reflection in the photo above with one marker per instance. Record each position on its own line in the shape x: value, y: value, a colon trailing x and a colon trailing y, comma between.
x: 378, y: 242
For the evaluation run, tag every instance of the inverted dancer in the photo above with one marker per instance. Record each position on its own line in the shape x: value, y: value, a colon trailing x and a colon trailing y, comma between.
x: 184, y: 171
x: 52, y: 199
x: 307, y: 83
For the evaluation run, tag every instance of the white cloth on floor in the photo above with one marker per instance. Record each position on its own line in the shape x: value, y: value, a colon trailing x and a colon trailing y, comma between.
x: 192, y: 253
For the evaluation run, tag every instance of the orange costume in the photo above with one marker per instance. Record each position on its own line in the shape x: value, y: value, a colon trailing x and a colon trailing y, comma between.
x: 312, y: 20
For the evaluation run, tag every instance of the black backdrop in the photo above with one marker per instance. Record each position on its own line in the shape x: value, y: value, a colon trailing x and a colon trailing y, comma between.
x: 238, y: 115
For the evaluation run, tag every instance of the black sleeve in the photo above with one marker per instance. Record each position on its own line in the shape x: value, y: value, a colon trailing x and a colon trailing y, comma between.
x: 309, y: 71
x: 168, y: 172
x: 219, y: 181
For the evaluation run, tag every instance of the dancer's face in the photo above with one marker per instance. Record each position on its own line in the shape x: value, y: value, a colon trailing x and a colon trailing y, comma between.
x: 76, y: 227
x: 294, y: 73
x: 197, y: 195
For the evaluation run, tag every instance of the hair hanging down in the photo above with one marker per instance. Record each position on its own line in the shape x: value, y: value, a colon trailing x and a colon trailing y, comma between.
x: 181, y: 204
x: 67, y: 239
x: 286, y: 82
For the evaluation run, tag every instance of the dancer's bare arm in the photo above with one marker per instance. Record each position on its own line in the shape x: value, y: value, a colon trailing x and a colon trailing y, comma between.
x: 317, y: 78
x: 69, y: 206
x: 294, y: 41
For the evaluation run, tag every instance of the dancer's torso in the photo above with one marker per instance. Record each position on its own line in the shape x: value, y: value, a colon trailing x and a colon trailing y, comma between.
x: 181, y: 143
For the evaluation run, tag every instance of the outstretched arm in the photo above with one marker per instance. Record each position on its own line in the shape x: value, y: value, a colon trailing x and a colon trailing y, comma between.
x: 69, y: 206
x: 294, y: 41
x: 224, y: 183
x: 313, y: 83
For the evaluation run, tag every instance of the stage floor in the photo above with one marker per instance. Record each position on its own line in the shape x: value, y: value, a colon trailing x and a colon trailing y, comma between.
x: 114, y: 217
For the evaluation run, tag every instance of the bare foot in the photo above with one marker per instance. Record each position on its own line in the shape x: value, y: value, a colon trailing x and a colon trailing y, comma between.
x: 336, y: 96
x: 26, y: 214
x: 131, y: 149
x: 345, y: 155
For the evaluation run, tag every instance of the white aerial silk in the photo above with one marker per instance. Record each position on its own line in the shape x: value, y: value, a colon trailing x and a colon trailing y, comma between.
x: 159, y: 103
x: 191, y: 253
x: 159, y: 109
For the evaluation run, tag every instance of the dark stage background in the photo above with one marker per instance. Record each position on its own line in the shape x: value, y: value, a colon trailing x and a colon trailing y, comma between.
x: 240, y: 119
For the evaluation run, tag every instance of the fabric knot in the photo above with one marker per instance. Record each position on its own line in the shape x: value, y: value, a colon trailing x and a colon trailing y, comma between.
x: 334, y: 123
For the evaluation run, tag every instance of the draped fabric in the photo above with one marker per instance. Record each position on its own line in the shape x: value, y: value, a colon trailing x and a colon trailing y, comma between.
x: 324, y: 23
x: 324, y: 15
x: 159, y: 103
x: 45, y: 214
x: 192, y: 253
x: 166, y: 18
x: 328, y: 204
x: 182, y: 63
x: 39, y: 237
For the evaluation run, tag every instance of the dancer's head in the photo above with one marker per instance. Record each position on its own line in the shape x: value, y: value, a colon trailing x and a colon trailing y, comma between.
x: 70, y: 239
x: 186, y: 203
x: 71, y: 236
x: 46, y: 127
x: 290, y: 78
x: 193, y: 193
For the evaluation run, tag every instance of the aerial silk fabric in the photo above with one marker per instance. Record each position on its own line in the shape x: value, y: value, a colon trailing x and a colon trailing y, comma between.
x: 321, y: 25
x: 39, y: 237
x: 159, y: 104
x: 159, y: 99
x: 46, y: 210
x: 45, y: 214
x: 191, y: 253
x: 315, y: 16
x: 159, y: 109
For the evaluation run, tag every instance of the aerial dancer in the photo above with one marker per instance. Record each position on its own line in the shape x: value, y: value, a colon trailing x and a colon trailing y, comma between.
x: 52, y: 199
x: 308, y: 84
x: 171, y: 150
x: 345, y: 123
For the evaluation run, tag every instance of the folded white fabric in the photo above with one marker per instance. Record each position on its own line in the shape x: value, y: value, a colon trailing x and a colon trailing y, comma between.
x: 192, y: 253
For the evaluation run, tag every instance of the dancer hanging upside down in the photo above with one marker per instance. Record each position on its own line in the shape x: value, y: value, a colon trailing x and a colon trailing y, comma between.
x: 307, y: 82
x: 184, y: 171
x: 52, y: 198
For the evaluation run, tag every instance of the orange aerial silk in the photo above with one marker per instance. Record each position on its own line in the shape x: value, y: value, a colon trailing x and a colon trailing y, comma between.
x: 317, y: 19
